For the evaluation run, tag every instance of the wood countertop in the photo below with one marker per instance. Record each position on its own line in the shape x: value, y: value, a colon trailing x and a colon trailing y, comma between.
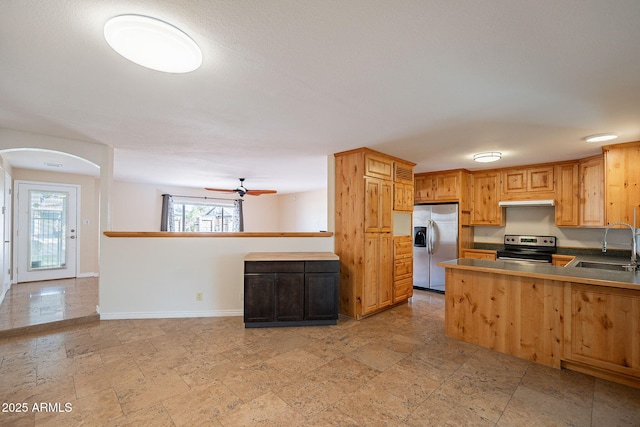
x: 291, y: 256
x: 173, y: 234
x: 588, y: 276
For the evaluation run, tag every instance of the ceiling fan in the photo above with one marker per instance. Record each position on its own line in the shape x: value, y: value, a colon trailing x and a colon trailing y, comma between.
x: 242, y: 190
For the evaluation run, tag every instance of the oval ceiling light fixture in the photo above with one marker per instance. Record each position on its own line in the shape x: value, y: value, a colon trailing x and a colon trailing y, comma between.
x: 601, y: 137
x: 487, y: 157
x: 153, y: 43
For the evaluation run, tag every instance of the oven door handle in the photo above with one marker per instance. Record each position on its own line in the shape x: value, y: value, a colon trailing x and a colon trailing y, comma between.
x: 538, y: 261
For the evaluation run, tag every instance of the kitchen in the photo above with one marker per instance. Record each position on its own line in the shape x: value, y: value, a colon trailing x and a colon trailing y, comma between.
x: 563, y: 214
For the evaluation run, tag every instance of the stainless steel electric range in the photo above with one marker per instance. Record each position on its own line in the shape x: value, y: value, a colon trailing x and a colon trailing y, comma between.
x: 528, y: 249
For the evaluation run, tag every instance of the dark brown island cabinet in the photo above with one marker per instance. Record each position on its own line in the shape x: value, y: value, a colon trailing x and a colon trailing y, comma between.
x: 291, y: 289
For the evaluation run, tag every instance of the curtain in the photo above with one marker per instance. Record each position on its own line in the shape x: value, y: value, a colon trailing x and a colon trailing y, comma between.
x: 238, y: 219
x: 166, y: 220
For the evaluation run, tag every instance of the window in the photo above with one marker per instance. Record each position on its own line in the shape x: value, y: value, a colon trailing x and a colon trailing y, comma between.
x: 180, y: 213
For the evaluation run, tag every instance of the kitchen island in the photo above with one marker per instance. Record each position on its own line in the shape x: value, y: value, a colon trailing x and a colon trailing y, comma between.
x: 577, y: 318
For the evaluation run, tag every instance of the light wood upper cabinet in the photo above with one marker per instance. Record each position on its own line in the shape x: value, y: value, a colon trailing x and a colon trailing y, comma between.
x: 425, y: 188
x: 403, y: 191
x: 485, y: 197
x: 567, y: 195
x: 439, y: 187
x: 402, y: 197
x: 592, y: 192
x: 622, y: 182
x: 378, y: 202
x: 378, y: 166
x: 527, y: 183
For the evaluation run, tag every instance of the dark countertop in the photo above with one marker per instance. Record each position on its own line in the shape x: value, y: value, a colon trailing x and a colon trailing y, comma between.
x: 591, y: 276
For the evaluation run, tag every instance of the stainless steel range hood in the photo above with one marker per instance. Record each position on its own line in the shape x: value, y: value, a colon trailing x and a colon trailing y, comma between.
x: 512, y: 203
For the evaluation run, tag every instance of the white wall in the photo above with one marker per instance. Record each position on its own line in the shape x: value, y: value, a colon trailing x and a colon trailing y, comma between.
x: 541, y: 221
x: 159, y: 277
x: 303, y: 211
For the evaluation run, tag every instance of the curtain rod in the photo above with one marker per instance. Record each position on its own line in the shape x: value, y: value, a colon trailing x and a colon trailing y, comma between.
x: 202, y: 197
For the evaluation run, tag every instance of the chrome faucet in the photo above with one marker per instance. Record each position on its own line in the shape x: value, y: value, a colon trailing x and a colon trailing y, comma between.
x: 634, y: 265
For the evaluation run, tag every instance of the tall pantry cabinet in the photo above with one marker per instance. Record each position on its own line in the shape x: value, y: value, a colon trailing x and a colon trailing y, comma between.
x: 364, y: 229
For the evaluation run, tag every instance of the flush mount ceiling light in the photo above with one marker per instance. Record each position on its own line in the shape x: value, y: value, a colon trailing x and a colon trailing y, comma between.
x: 489, y: 156
x: 152, y: 43
x: 601, y: 137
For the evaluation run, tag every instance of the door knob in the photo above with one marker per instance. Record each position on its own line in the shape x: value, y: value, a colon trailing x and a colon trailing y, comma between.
x: 72, y: 237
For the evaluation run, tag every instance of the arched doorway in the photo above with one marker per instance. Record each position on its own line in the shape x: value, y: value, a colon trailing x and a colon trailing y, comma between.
x: 45, y: 300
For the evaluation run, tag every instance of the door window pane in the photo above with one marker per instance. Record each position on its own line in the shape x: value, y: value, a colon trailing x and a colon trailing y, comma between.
x: 47, y: 229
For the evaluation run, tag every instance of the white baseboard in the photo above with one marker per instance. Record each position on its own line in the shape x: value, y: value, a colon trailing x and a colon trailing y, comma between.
x: 170, y: 315
x: 81, y: 275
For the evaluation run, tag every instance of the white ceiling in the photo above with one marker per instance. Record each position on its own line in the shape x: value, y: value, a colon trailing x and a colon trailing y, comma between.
x: 284, y: 83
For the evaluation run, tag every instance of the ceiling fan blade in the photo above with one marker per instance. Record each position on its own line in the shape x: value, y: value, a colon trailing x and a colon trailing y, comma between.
x: 260, y: 192
x: 220, y: 190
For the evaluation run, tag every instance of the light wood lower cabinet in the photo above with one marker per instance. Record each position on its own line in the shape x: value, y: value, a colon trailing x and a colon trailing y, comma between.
x: 378, y: 272
x: 603, y: 330
x: 592, y: 329
x: 479, y: 254
x: 402, y: 268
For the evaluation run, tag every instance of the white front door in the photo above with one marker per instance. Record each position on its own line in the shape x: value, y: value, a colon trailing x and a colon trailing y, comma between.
x: 47, y: 231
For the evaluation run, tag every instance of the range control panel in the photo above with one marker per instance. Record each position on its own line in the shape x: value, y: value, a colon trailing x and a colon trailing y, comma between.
x: 538, y: 241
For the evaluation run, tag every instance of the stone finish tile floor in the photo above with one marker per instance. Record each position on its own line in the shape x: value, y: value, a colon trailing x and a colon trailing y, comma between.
x: 41, y: 305
x: 394, y: 369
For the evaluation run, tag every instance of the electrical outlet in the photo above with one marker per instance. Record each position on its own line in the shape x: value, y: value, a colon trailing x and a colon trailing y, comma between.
x: 241, y: 297
x: 199, y: 296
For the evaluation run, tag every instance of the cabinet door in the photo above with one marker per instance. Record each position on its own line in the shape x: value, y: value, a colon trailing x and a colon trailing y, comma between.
x: 567, y: 195
x: 402, y: 290
x: 479, y: 254
x: 321, y: 301
x: 592, y: 192
x: 623, y: 182
x: 289, y: 296
x: 378, y: 205
x: 385, y: 264
x: 605, y: 328
x: 378, y: 166
x: 485, y: 199
x: 402, y: 197
x: 371, y: 272
x: 259, y: 291
x: 448, y: 186
x: 425, y: 188
x: 378, y: 272
x: 540, y: 179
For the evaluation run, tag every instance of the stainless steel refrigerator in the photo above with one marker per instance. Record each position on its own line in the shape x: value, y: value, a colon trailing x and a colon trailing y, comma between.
x: 435, y: 239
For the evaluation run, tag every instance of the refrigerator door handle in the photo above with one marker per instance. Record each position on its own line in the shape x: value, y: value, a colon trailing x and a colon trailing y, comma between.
x: 432, y: 232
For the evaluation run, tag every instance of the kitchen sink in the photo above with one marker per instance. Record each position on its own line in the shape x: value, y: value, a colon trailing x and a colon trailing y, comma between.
x: 604, y: 266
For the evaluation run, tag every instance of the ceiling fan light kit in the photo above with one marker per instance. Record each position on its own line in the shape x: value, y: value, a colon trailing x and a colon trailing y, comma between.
x: 242, y: 190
